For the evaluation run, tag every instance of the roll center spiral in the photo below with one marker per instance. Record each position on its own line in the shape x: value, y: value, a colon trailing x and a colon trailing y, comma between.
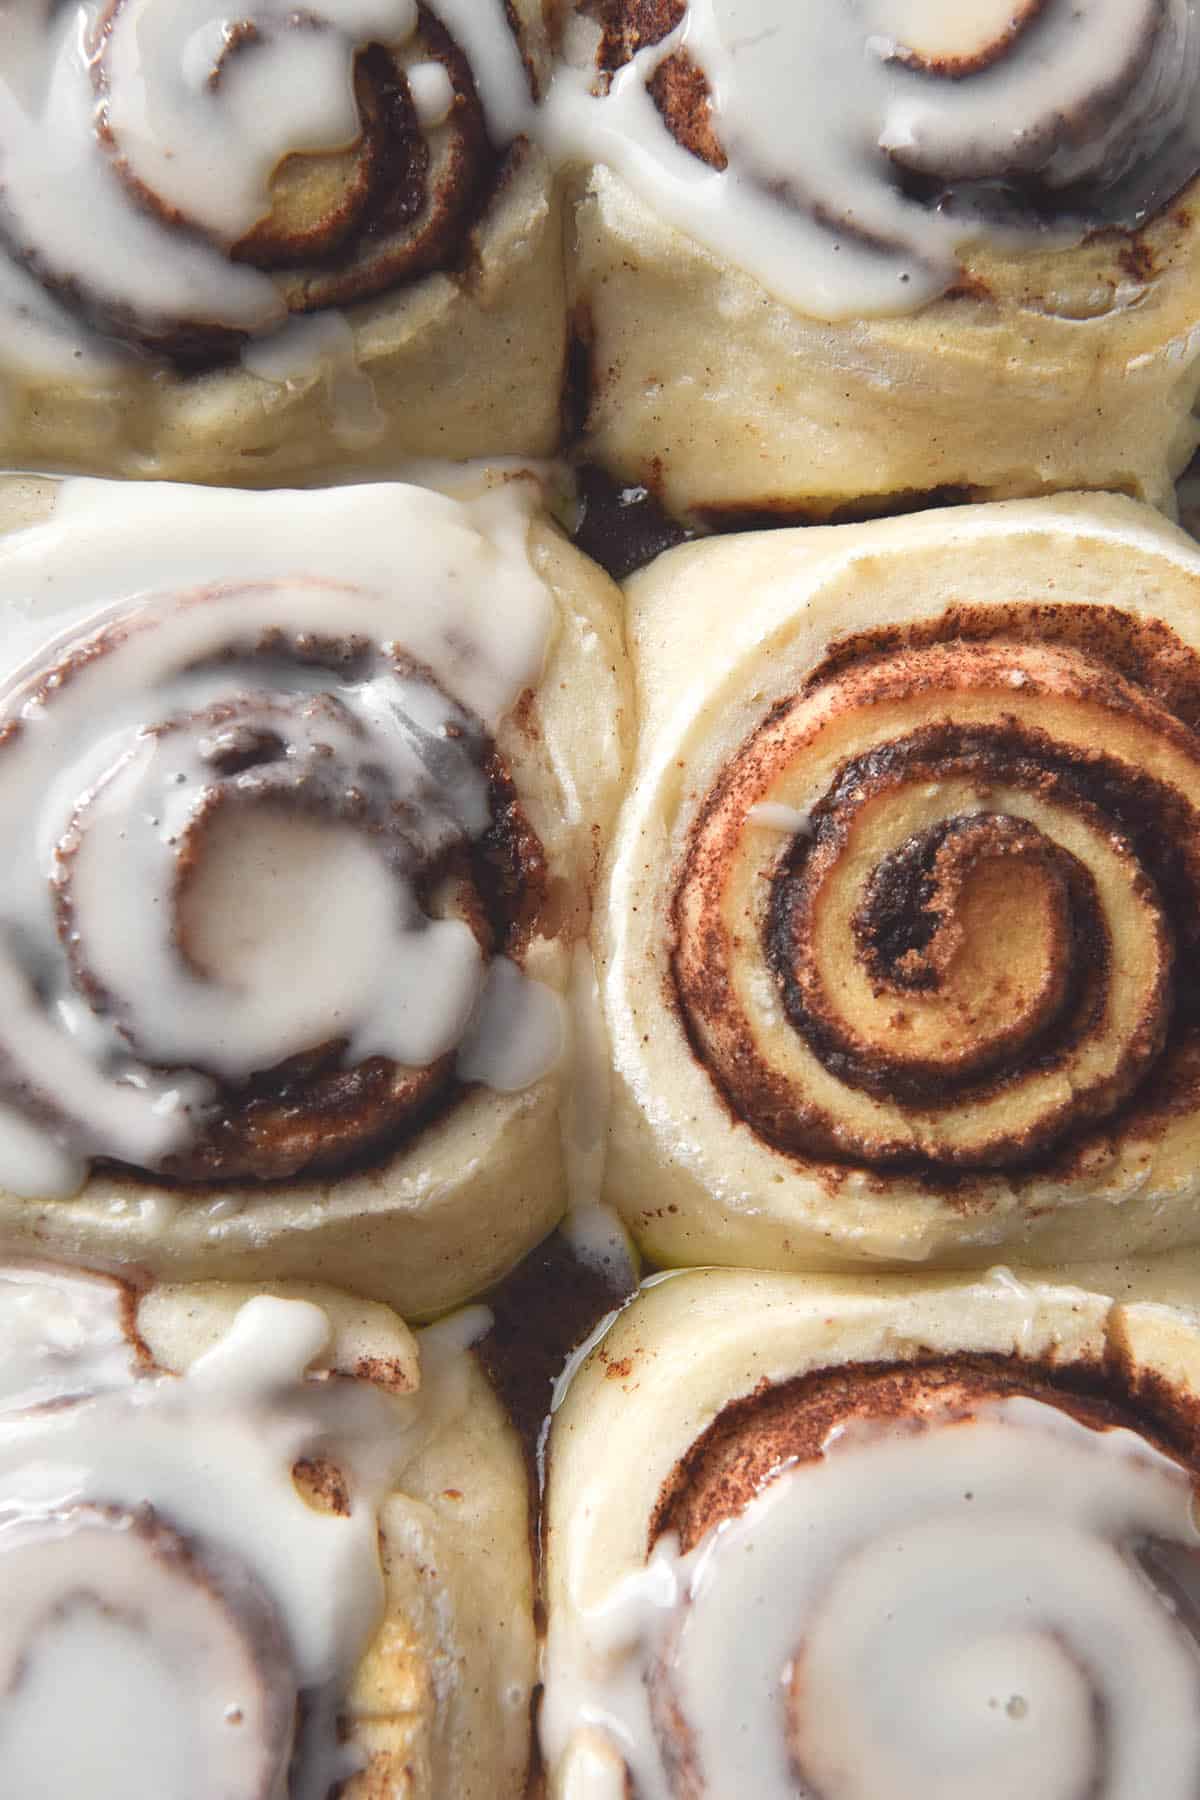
x: 942, y: 1600
x: 189, y: 176
x: 976, y: 939
x: 346, y: 807
x: 248, y: 94
x: 274, y: 883
x: 977, y: 910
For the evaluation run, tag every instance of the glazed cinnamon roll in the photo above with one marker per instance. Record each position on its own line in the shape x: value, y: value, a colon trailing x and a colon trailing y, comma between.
x: 301, y: 801
x: 899, y: 926
x: 843, y: 260
x: 865, y: 1539
x: 244, y: 1539
x: 243, y: 245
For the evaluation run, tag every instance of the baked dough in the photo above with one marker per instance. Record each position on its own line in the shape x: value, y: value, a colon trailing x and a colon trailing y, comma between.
x: 745, y: 373
x: 784, y: 1513
x: 887, y: 951
x: 367, y: 619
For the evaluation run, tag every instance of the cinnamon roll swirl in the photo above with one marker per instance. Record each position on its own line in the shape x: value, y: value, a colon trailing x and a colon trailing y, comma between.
x: 886, y: 1538
x: 244, y: 1539
x: 300, y: 840
x: 322, y: 235
x: 838, y: 260
x: 899, y: 929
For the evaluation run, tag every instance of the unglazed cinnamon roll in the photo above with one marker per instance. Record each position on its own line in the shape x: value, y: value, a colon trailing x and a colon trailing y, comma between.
x: 899, y: 929
x: 845, y: 257
x: 866, y: 1539
x: 245, y: 1537
x: 301, y: 798
x: 248, y: 245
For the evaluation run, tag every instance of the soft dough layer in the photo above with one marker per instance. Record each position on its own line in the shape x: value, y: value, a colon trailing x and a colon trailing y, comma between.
x: 896, y: 944
x: 312, y: 927
x: 878, y: 1536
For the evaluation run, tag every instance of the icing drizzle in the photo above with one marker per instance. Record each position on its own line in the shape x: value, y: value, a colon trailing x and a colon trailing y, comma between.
x: 246, y: 750
x: 187, y: 176
x: 844, y: 155
x: 178, y: 1615
x: 918, y: 1612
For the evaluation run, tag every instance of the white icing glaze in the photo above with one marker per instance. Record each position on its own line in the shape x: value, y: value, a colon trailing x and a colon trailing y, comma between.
x: 457, y: 1332
x: 815, y: 107
x: 781, y: 818
x: 518, y: 1031
x: 432, y: 92
x: 816, y: 102
x: 480, y: 30
x: 597, y: 1236
x: 127, y: 1673
x: 919, y: 1613
x: 208, y: 147
x: 60, y: 1336
x: 105, y: 784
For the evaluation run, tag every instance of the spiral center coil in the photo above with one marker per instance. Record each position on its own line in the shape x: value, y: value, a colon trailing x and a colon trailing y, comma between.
x: 979, y: 943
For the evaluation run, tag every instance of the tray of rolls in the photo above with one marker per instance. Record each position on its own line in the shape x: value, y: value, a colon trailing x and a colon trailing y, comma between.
x: 600, y: 926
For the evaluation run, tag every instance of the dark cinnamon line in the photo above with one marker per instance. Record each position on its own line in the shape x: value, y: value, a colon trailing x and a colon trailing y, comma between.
x: 1134, y: 804
x: 681, y: 93
x: 780, y: 1427
x: 756, y: 1437
x: 1144, y: 650
x: 318, y: 1479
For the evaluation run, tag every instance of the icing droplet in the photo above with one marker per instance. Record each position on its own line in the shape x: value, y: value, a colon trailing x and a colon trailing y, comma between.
x: 432, y: 92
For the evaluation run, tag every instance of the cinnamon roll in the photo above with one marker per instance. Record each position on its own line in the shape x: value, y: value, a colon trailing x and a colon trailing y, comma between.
x: 899, y: 927
x: 250, y: 245
x: 838, y: 261
x: 301, y: 799
x: 876, y: 1538
x: 245, y: 1536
